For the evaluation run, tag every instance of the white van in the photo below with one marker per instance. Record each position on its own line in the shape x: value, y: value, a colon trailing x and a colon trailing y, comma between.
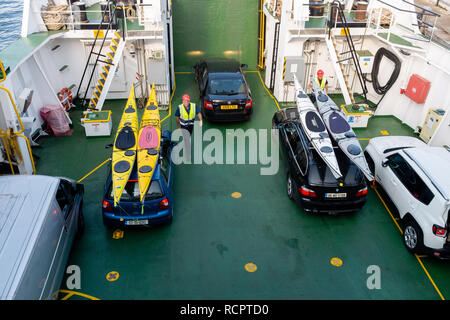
x: 39, y: 218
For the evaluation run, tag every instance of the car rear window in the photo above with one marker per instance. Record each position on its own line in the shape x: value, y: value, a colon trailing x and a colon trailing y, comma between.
x: 226, y: 85
x: 131, y: 191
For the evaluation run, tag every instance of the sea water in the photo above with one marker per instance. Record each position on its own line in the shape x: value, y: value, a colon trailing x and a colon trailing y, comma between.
x: 10, y: 21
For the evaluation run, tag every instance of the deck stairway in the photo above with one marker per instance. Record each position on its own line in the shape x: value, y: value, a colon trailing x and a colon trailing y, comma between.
x: 341, y: 59
x: 105, y: 63
x: 107, y: 72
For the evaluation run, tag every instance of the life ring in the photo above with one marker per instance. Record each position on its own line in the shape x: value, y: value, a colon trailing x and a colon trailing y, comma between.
x: 65, y: 96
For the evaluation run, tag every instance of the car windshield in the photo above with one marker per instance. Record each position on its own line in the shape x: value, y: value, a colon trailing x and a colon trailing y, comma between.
x: 131, y: 191
x: 227, y: 85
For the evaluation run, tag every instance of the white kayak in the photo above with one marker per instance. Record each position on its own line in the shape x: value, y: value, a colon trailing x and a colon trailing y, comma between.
x: 315, y: 129
x: 336, y: 123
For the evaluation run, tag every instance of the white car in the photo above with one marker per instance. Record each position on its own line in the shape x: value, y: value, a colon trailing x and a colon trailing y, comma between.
x: 416, y: 177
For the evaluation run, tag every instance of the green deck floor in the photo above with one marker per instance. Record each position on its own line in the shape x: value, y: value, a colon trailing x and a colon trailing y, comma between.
x: 213, y: 236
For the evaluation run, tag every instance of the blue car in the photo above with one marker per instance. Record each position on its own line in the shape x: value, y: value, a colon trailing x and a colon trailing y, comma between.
x: 158, y: 203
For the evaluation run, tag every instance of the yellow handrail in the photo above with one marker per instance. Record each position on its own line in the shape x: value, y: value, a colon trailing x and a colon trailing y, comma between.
x: 2, y: 68
x: 14, y: 134
x: 3, y: 136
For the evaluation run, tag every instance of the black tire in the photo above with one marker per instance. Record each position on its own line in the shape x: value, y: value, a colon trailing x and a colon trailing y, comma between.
x: 412, y: 236
x: 290, y: 187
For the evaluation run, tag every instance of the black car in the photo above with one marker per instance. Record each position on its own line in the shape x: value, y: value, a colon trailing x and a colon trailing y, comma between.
x: 309, y: 180
x: 224, y: 93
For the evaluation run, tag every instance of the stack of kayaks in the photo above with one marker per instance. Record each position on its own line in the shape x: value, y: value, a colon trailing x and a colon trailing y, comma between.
x: 128, y: 143
x: 148, y: 146
x: 124, y: 151
x: 341, y: 131
x: 315, y: 129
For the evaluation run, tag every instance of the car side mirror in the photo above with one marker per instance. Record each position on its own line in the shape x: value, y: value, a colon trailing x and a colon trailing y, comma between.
x: 385, y: 162
x: 244, y: 65
x: 108, y: 146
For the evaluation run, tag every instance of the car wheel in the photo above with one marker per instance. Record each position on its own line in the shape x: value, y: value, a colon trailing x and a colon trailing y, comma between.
x: 290, y: 186
x: 412, y: 236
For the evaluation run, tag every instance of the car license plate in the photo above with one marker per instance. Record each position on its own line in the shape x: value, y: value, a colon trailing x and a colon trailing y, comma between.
x: 335, y: 195
x: 136, y: 222
x: 228, y: 107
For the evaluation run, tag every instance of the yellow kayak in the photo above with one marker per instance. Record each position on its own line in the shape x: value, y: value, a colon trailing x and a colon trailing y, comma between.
x: 124, y: 151
x: 148, y: 143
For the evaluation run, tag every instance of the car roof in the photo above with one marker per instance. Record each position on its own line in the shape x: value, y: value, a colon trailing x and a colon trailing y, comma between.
x: 435, y: 163
x: 216, y: 65
x: 391, y: 143
x: 22, y: 201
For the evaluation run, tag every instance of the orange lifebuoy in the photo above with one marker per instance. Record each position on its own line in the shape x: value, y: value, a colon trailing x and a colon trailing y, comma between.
x: 65, y: 96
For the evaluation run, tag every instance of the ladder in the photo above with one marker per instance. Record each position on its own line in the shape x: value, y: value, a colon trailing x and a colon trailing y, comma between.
x: 338, y: 58
x: 110, y: 62
x: 274, y: 55
x: 108, y: 70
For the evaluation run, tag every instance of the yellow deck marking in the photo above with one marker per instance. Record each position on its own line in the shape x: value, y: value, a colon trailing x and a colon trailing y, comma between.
x: 171, y: 97
x: 117, y: 234
x: 384, y: 132
x: 335, y: 261
x: 276, y: 102
x: 71, y: 293
x: 417, y: 256
x: 251, y: 267
x: 112, y: 276
x: 236, y: 195
x: 95, y: 169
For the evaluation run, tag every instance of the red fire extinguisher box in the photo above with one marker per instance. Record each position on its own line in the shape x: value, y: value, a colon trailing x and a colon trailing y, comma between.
x: 417, y: 89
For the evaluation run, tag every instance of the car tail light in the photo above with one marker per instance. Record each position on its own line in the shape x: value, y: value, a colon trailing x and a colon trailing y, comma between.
x: 208, y: 105
x: 248, y: 104
x: 307, y: 192
x: 361, y: 192
x: 164, y: 204
x: 107, y: 206
x: 439, y: 231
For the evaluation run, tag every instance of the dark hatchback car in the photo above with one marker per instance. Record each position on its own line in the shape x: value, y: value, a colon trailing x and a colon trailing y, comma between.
x: 309, y: 180
x: 158, y: 203
x: 224, y: 92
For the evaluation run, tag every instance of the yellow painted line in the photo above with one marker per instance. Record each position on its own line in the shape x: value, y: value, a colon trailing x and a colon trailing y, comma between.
x: 276, y: 102
x: 183, y: 72
x: 417, y: 256
x: 364, y: 138
x: 117, y: 35
x: 95, y: 169
x: 429, y: 277
x: 93, y: 101
x: 384, y: 132
x: 104, y: 78
x: 67, y: 296
x: 171, y: 97
x: 110, y: 56
x: 112, y: 48
x: 79, y: 294
x: 115, y: 42
x: 106, y: 69
x: 251, y: 71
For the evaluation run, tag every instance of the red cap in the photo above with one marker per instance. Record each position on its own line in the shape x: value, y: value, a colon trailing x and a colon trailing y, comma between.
x: 186, y: 97
x: 320, y: 73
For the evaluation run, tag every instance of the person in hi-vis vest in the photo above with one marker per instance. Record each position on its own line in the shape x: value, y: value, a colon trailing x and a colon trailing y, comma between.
x: 321, y: 81
x: 186, y: 113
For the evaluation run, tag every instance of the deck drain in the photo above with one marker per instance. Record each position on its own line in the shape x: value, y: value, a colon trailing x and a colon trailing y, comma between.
x: 112, y: 276
x: 236, y: 195
x: 251, y: 267
x: 336, y: 262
